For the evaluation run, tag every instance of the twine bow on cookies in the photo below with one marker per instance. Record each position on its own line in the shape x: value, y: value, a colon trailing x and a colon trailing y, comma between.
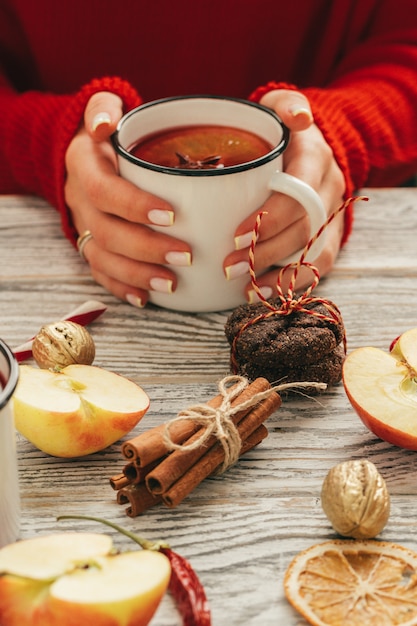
x: 289, y: 303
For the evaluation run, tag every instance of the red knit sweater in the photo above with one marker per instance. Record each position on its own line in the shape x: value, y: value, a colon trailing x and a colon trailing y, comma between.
x: 355, y: 60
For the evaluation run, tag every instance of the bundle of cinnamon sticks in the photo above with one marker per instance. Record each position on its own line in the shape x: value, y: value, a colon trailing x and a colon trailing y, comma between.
x: 165, y: 463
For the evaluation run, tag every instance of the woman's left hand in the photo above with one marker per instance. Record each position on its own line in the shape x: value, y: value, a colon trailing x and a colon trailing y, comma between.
x: 285, y: 229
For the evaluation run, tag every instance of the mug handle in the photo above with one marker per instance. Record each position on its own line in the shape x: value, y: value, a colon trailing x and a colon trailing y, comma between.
x: 311, y: 201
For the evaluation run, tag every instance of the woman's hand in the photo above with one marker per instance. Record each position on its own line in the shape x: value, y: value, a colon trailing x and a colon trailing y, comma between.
x: 285, y: 228
x: 125, y: 256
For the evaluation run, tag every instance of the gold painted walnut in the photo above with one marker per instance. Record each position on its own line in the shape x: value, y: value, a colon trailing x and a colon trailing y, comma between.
x: 355, y: 499
x: 63, y: 343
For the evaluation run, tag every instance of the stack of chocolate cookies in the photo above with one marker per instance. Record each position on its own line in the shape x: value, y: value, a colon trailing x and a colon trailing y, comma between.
x: 297, y: 347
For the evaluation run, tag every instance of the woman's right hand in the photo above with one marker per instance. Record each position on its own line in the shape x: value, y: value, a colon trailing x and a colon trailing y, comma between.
x: 125, y: 256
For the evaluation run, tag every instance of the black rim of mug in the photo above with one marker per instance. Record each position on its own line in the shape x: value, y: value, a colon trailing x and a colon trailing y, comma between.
x: 8, y: 388
x: 276, y: 151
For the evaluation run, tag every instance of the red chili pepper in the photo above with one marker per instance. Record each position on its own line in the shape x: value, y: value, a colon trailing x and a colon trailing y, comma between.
x: 187, y: 591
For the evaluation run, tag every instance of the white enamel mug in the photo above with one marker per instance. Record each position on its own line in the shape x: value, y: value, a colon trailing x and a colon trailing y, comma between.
x: 9, y: 485
x: 209, y: 204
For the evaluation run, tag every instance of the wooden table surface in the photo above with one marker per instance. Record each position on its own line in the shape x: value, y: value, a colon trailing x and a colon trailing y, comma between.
x: 240, y: 530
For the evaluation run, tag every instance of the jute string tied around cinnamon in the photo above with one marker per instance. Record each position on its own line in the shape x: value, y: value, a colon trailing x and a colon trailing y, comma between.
x: 289, y: 303
x: 218, y: 421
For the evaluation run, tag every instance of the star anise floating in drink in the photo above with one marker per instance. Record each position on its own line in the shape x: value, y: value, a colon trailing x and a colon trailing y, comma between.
x: 186, y: 162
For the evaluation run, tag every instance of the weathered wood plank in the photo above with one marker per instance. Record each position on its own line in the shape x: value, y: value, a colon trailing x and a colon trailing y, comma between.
x: 239, y: 530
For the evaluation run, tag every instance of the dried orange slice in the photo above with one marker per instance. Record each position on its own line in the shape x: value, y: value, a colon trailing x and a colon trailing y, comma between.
x: 354, y: 583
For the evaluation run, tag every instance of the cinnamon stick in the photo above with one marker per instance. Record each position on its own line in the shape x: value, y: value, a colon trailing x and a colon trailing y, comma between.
x: 206, y: 466
x: 131, y: 475
x: 119, y: 481
x: 138, y: 497
x: 150, y: 445
x: 136, y: 473
x: 179, y: 462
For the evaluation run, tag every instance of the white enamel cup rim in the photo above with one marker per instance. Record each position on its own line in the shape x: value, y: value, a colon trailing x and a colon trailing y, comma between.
x: 9, y: 488
x: 7, y: 390
x: 124, y: 152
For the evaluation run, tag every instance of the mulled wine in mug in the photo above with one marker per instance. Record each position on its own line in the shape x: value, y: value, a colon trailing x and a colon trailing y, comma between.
x: 215, y: 160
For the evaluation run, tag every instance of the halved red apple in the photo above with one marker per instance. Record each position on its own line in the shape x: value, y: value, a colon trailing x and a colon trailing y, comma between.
x: 382, y: 388
x: 78, y: 410
x: 69, y: 579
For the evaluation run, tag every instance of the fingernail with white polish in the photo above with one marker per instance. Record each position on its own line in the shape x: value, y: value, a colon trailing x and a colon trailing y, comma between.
x: 236, y: 270
x: 163, y: 285
x: 160, y: 217
x: 253, y: 296
x: 182, y: 259
x: 99, y: 119
x: 134, y: 300
x: 243, y: 241
x: 297, y: 111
